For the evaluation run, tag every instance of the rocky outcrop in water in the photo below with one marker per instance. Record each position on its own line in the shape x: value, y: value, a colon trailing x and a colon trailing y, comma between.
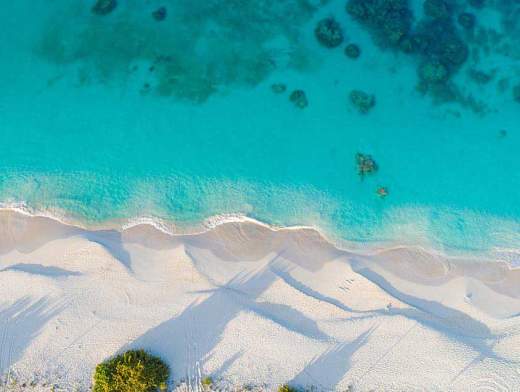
x: 434, y: 41
x: 365, y: 164
x: 299, y: 98
x: 352, y: 51
x: 362, y: 101
x: 104, y: 7
x: 328, y: 32
x: 389, y: 21
x: 160, y: 14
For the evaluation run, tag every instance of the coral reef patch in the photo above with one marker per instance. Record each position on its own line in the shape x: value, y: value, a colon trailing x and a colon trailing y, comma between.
x: 352, y: 51
x: 299, y: 99
x: 328, y: 32
x: 389, y: 21
x: 104, y: 7
x: 440, y: 40
x: 278, y: 88
x: 365, y: 164
x: 516, y: 93
x: 160, y: 14
x: 362, y: 101
x: 202, y: 48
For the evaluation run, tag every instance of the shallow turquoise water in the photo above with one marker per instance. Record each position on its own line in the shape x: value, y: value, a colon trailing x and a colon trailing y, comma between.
x: 100, y: 148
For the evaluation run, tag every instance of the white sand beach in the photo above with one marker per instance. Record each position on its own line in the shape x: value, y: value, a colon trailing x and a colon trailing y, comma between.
x: 109, y: 117
x: 249, y: 305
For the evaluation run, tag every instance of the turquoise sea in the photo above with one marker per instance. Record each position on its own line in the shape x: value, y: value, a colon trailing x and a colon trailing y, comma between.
x: 172, y: 114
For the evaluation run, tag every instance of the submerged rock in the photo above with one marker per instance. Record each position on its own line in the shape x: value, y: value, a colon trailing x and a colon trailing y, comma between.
x: 145, y: 89
x: 435, y: 41
x: 352, y: 51
x: 328, y: 32
x: 365, y: 164
x: 480, y: 77
x: 433, y: 72
x: 160, y: 14
x: 438, y: 40
x: 299, y: 98
x: 278, y: 88
x: 104, y: 7
x: 516, y: 93
x: 477, y: 3
x: 389, y: 21
x: 362, y: 100
x: 437, y: 8
x: 467, y: 20
x: 382, y: 192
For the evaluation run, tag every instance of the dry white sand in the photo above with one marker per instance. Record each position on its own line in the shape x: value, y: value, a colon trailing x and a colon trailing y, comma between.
x: 245, y: 304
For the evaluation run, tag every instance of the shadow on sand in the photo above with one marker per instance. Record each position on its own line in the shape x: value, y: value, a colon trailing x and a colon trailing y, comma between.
x: 20, y: 324
x: 188, y: 340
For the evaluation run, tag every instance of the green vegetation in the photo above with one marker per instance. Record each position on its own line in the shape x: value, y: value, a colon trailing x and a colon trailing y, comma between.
x: 207, y: 381
x: 286, y: 388
x: 132, y: 371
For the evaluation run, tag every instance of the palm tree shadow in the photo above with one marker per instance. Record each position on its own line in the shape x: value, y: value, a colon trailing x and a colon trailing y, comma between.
x: 332, y: 365
x: 452, y: 323
x: 253, y: 242
x: 112, y: 241
x: 20, y: 324
x: 187, y: 340
x: 39, y: 269
x: 26, y: 234
x: 228, y: 363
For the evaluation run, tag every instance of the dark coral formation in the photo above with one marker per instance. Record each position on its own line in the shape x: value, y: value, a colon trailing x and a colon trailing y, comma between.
x: 479, y: 76
x: 362, y: 101
x: 433, y: 71
x: 441, y: 49
x: 104, y: 7
x: 160, y: 14
x: 382, y: 192
x: 328, y: 32
x: 389, y: 21
x: 477, y: 3
x: 437, y: 8
x: 278, y: 88
x: 516, y: 93
x: 365, y: 164
x: 299, y: 98
x: 434, y: 40
x: 467, y: 20
x: 352, y: 51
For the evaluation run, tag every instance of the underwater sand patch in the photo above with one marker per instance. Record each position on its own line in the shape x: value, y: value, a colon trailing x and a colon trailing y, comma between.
x: 201, y: 48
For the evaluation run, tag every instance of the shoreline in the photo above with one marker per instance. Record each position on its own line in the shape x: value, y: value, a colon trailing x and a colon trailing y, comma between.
x: 214, y: 302
x: 222, y: 223
x: 370, y: 248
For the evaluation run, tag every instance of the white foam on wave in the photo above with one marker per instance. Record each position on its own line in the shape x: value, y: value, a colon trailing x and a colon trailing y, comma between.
x: 25, y: 210
x: 221, y: 219
x: 511, y: 256
x: 157, y: 223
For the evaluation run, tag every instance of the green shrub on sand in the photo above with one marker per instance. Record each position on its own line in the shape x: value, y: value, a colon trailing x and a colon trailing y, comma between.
x: 132, y: 371
x: 286, y: 388
x: 207, y: 381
